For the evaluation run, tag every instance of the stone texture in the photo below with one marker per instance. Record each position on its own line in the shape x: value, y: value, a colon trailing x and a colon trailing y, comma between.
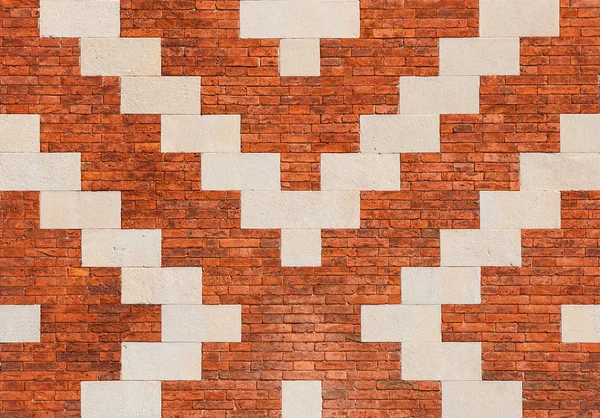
x: 160, y: 95
x: 439, y: 95
x: 121, y: 247
x: 117, y: 399
x: 120, y: 56
x: 580, y: 133
x: 360, y: 172
x: 479, y: 56
x: 401, y: 323
x: 161, y: 361
x: 80, y: 210
x: 540, y: 171
x: 44, y: 171
x: 161, y: 286
x: 80, y: 18
x: 300, y: 57
x: 519, y: 210
x: 200, y: 133
x: 202, y: 323
x: 482, y: 399
x: 241, y: 171
x: 480, y: 247
x: 300, y: 247
x: 399, y: 133
x: 580, y: 323
x: 512, y: 18
x: 19, y: 323
x: 301, y: 399
x: 441, y: 361
x: 440, y: 285
x: 19, y: 133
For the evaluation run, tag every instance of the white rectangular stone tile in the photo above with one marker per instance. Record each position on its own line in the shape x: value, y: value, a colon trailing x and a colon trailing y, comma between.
x: 80, y: 18
x: 441, y: 285
x: 160, y: 95
x: 300, y: 209
x: 489, y: 399
x: 43, y: 171
x: 202, y: 323
x: 309, y: 19
x: 120, y: 56
x: 580, y: 323
x: 200, y: 133
x: 479, y: 56
x: 399, y: 133
x: 301, y: 399
x: 561, y: 171
x: 161, y: 361
x: 441, y: 361
x: 401, y: 323
x: 19, y: 133
x: 300, y: 57
x: 121, y: 248
x: 439, y: 95
x: 80, y: 210
x: 300, y: 247
x: 19, y: 323
x: 161, y: 286
x: 480, y: 247
x: 519, y: 210
x: 240, y: 171
x: 360, y: 172
x: 118, y: 399
x: 580, y: 133
x: 509, y: 18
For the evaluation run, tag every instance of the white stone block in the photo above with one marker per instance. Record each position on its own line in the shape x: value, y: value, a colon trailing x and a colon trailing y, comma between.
x: 308, y: 19
x: 401, y: 323
x: 161, y: 361
x: 580, y: 323
x: 300, y: 247
x: 80, y: 18
x: 44, y: 171
x: 489, y: 399
x: 80, y: 210
x: 441, y: 285
x: 240, y: 171
x: 120, y: 56
x: 519, y: 210
x: 301, y: 399
x: 399, y: 133
x: 19, y: 133
x: 439, y: 95
x: 480, y: 247
x: 510, y: 18
x: 580, y: 133
x: 161, y: 286
x: 200, y: 133
x: 121, y: 248
x: 441, y: 361
x: 300, y: 209
x: 118, y: 399
x: 202, y: 323
x: 360, y: 172
x: 19, y: 323
x: 542, y: 171
x: 300, y: 57
x: 480, y: 56
x: 160, y: 95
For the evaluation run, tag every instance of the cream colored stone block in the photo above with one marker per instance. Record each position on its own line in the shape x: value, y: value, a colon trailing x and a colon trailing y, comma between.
x: 80, y: 210
x: 44, y: 171
x: 439, y: 95
x: 580, y: 323
x: 161, y: 361
x: 161, y: 286
x: 520, y: 210
x: 510, y: 18
x: 200, y: 133
x: 19, y: 133
x: 118, y: 399
x: 160, y: 95
x: 120, y: 56
x: 202, y: 323
x: 580, y: 133
x: 360, y: 172
x: 441, y: 361
x: 480, y: 247
x: 121, y: 248
x: 487, y: 399
x: 240, y: 171
x: 301, y: 399
x: 441, y: 285
x: 299, y: 19
x: 401, y: 323
x: 19, y: 323
x: 300, y: 247
x: 80, y: 18
x: 300, y: 57
x: 399, y: 133
x: 560, y: 171
x: 479, y: 56
x: 300, y: 209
